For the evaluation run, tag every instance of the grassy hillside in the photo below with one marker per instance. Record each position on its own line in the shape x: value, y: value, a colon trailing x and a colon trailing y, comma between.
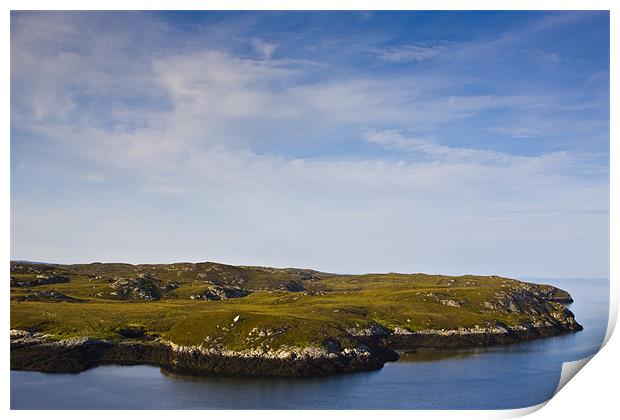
x: 284, y: 307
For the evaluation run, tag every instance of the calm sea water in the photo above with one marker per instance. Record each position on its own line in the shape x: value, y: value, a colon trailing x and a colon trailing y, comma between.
x: 499, y: 377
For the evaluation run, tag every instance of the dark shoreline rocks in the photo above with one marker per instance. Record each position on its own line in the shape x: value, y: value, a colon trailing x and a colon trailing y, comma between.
x: 549, y: 323
x: 477, y: 337
x: 38, y: 352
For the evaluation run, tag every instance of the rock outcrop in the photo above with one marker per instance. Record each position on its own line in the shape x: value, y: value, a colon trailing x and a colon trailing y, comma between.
x: 220, y: 293
x: 38, y: 280
x: 143, y: 287
x: 46, y: 296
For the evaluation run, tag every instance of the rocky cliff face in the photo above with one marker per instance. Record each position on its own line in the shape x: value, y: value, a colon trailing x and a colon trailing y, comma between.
x: 38, y: 352
x: 548, y: 317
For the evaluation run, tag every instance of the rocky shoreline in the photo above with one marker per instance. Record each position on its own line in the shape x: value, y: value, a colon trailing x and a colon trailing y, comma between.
x: 35, y: 351
x: 39, y: 352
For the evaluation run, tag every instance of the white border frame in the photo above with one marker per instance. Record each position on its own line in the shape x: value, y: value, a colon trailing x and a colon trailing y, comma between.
x: 602, y: 380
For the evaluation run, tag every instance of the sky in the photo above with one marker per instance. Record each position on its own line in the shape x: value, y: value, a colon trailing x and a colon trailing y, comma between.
x: 350, y: 142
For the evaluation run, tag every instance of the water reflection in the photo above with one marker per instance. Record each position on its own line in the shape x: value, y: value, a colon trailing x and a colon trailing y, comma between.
x: 433, y: 354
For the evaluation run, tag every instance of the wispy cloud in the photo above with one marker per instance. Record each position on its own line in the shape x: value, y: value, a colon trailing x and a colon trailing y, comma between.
x: 404, y: 53
x: 264, y: 49
x: 395, y: 139
x: 543, y: 57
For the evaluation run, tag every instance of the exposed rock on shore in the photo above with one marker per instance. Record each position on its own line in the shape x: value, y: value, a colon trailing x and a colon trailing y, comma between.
x: 38, y: 352
x: 479, y: 336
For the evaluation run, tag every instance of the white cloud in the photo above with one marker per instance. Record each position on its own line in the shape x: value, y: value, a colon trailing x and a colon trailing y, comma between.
x: 406, y: 53
x: 395, y: 139
x: 264, y: 49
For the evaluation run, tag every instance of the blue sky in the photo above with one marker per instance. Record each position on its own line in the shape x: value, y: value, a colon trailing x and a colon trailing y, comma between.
x: 446, y: 142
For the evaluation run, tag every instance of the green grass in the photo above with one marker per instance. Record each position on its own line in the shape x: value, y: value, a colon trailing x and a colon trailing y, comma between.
x: 294, y: 318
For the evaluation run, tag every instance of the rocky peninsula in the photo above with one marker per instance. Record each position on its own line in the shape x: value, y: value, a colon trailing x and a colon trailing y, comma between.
x: 217, y: 319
